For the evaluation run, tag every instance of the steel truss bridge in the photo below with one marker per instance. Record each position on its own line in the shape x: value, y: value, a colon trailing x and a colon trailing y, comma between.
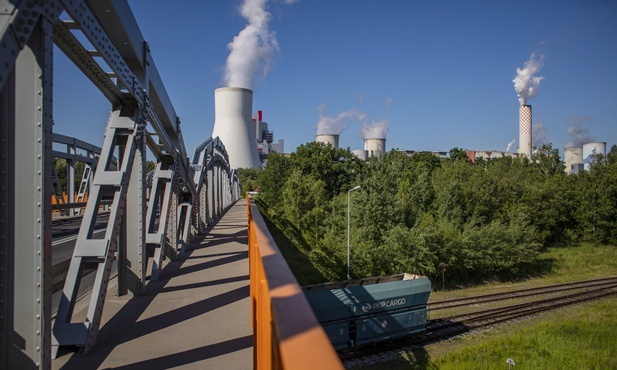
x: 185, y: 196
x: 150, y: 216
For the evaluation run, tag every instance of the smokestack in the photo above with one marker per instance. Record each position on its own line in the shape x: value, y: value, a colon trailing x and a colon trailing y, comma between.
x: 331, y: 139
x: 375, y: 147
x: 232, y: 124
x: 524, y: 132
x: 258, y: 121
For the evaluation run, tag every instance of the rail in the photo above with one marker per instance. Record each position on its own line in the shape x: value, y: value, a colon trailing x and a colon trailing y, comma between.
x: 286, y: 333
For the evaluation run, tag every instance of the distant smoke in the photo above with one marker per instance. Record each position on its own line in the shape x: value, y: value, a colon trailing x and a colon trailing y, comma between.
x: 525, y: 84
x: 338, y: 124
x: 252, y: 50
x: 538, y: 135
x: 577, y: 131
x: 389, y: 102
x: 510, y: 145
x: 376, y: 130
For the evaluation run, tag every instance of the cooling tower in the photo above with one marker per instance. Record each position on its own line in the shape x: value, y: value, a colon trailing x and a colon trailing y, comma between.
x: 572, y: 156
x: 233, y: 125
x: 331, y: 139
x: 524, y: 131
x: 592, y: 148
x: 375, y: 147
x: 361, y: 154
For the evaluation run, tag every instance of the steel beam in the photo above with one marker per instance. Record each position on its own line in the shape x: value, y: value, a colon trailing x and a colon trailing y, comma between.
x: 112, y: 30
x: 124, y: 126
x: 25, y: 230
x: 135, y: 219
x: 160, y: 198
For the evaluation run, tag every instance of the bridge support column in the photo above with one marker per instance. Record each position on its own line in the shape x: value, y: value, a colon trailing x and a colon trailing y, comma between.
x: 135, y: 222
x: 25, y: 203
x: 210, y: 182
x: 171, y: 227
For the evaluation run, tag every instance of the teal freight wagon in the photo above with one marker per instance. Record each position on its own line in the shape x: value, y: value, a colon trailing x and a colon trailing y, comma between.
x: 359, y: 312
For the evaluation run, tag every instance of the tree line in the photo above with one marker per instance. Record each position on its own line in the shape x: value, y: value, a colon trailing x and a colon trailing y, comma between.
x: 489, y: 219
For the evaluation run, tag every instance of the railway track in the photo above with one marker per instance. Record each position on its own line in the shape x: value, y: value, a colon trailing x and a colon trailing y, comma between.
x: 453, y: 325
x: 524, y: 293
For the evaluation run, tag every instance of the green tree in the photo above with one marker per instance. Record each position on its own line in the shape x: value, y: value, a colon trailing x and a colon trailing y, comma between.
x: 272, y: 180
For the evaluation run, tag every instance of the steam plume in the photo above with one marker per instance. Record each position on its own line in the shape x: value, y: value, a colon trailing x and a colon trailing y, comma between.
x: 577, y: 131
x: 525, y: 84
x: 252, y: 50
x: 539, y: 135
x: 510, y: 145
x: 376, y: 130
x: 338, y: 124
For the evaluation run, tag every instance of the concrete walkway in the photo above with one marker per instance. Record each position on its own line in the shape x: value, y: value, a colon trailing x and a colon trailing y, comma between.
x: 197, y: 316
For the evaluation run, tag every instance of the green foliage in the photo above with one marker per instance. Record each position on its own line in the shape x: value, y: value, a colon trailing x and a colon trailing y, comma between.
x: 271, y: 181
x: 62, y: 169
x: 248, y: 179
x: 150, y: 166
x: 484, y: 220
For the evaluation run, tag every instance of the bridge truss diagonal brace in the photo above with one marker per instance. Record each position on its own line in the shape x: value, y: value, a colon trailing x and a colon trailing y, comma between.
x: 160, y: 199
x: 124, y: 130
x: 185, y: 212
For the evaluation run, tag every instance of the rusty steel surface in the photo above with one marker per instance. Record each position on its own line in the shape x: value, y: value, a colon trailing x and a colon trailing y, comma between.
x: 286, y: 334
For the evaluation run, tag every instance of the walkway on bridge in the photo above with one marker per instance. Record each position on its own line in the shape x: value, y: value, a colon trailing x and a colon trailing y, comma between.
x: 197, y: 315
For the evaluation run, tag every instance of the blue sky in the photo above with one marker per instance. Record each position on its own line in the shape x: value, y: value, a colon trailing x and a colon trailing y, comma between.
x: 439, y: 71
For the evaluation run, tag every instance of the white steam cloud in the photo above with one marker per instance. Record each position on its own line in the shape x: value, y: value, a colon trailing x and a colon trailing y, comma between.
x: 252, y: 50
x: 510, y: 145
x: 538, y: 135
x: 577, y: 131
x: 376, y: 130
x: 336, y: 125
x: 525, y: 84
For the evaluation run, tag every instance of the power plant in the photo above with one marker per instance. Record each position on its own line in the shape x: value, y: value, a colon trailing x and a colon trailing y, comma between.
x: 247, y: 140
x: 232, y: 119
x: 375, y: 147
x: 573, y: 158
x: 577, y: 158
x: 331, y: 139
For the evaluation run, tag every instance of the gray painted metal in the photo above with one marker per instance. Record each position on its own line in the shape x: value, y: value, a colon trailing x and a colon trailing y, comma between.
x: 25, y: 232
x: 125, y: 51
x: 135, y: 220
x: 122, y: 68
x: 160, y: 197
x: 123, y: 127
x: 84, y: 186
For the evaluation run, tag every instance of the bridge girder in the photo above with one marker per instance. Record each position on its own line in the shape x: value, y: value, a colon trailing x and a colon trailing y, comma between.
x: 135, y: 89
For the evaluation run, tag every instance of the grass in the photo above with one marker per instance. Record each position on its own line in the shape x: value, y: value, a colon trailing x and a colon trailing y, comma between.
x: 575, y: 337
x: 578, y: 337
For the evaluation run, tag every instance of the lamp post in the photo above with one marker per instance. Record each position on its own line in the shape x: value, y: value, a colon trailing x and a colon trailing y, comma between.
x: 349, y: 224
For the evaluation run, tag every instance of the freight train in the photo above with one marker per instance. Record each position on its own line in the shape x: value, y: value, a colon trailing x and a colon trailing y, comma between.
x: 359, y: 312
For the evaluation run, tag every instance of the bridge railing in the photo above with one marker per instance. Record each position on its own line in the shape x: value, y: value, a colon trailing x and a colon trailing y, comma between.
x: 286, y: 333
